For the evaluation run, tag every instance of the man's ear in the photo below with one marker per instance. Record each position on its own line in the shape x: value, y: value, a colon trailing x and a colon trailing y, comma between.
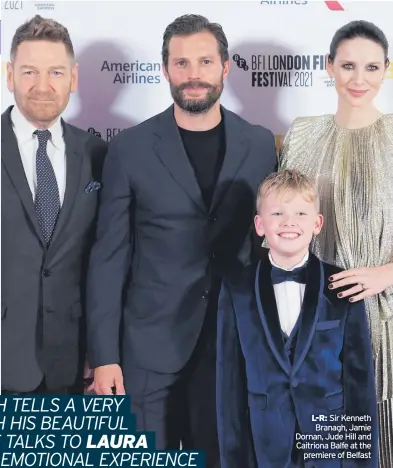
x: 10, y: 77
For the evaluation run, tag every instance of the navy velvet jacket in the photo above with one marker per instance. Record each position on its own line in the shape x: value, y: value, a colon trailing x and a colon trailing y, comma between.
x: 264, y: 398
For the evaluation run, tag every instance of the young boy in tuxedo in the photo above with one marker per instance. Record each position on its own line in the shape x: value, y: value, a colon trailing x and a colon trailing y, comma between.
x: 294, y: 363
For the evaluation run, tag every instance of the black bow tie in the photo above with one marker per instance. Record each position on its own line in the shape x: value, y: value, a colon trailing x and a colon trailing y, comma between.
x: 279, y: 275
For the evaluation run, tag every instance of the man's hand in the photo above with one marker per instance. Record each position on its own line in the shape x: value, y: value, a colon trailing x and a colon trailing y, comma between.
x: 107, y: 377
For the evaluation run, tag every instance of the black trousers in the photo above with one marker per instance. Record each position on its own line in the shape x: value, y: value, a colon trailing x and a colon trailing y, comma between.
x: 42, y: 389
x: 181, y: 408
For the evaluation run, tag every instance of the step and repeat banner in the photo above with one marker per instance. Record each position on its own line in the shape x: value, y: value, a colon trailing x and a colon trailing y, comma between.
x: 118, y: 47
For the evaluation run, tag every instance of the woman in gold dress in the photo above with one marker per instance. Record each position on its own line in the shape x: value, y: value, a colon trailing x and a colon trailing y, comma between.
x: 350, y: 156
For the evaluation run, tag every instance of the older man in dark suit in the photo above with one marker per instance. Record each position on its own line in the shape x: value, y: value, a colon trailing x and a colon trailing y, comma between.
x: 50, y: 180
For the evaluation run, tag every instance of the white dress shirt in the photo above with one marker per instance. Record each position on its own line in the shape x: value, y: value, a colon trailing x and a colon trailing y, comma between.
x: 28, y: 145
x: 289, y: 298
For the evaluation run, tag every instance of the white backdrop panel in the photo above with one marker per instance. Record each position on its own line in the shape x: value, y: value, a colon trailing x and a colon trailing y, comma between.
x: 127, y: 36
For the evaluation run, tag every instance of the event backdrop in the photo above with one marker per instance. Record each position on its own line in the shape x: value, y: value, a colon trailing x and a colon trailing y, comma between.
x: 118, y: 47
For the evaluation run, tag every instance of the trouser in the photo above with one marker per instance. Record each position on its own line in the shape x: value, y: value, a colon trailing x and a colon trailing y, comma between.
x: 181, y: 408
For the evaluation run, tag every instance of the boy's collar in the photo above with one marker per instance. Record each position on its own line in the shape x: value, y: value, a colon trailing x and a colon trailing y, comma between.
x: 301, y: 263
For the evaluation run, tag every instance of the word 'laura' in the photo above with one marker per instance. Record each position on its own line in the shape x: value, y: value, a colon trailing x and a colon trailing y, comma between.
x: 117, y: 441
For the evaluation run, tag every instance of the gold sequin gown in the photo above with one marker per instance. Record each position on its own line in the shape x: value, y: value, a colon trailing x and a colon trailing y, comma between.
x: 353, y: 169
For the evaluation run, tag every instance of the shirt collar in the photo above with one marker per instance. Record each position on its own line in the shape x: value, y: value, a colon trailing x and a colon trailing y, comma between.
x: 301, y: 263
x: 24, y: 129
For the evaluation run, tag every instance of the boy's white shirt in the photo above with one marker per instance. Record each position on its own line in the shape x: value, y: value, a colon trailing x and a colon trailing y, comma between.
x: 289, y: 298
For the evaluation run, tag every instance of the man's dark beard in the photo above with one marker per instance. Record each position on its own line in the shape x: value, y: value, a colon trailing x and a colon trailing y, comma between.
x: 197, y: 106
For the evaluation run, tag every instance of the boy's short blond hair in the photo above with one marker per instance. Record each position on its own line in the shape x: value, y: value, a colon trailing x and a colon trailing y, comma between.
x: 286, y: 181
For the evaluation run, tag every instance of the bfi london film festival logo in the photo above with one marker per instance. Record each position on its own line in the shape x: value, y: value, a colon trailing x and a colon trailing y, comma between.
x: 110, y: 133
x: 282, y: 71
x: 332, y: 5
x: 287, y: 70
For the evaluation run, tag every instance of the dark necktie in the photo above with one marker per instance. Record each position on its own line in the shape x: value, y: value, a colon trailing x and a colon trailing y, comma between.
x: 47, y: 200
x: 298, y: 274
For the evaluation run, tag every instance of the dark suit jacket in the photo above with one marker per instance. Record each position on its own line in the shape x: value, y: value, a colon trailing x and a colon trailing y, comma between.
x: 159, y: 249
x: 41, y: 302
x: 261, y: 392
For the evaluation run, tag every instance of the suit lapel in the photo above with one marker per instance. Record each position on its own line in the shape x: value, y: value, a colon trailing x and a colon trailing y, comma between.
x: 236, y: 151
x: 312, y: 296
x: 13, y: 164
x: 169, y: 148
x: 73, y: 173
x: 267, y: 308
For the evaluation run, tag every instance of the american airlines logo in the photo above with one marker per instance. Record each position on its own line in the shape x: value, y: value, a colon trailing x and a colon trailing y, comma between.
x: 332, y: 5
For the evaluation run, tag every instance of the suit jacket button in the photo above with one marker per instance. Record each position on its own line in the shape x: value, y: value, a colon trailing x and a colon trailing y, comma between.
x: 205, y: 295
x: 212, y: 218
x: 295, y: 382
x: 47, y: 273
x: 212, y: 256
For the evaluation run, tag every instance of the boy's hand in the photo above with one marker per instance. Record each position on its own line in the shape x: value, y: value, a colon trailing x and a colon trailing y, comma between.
x: 368, y: 281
